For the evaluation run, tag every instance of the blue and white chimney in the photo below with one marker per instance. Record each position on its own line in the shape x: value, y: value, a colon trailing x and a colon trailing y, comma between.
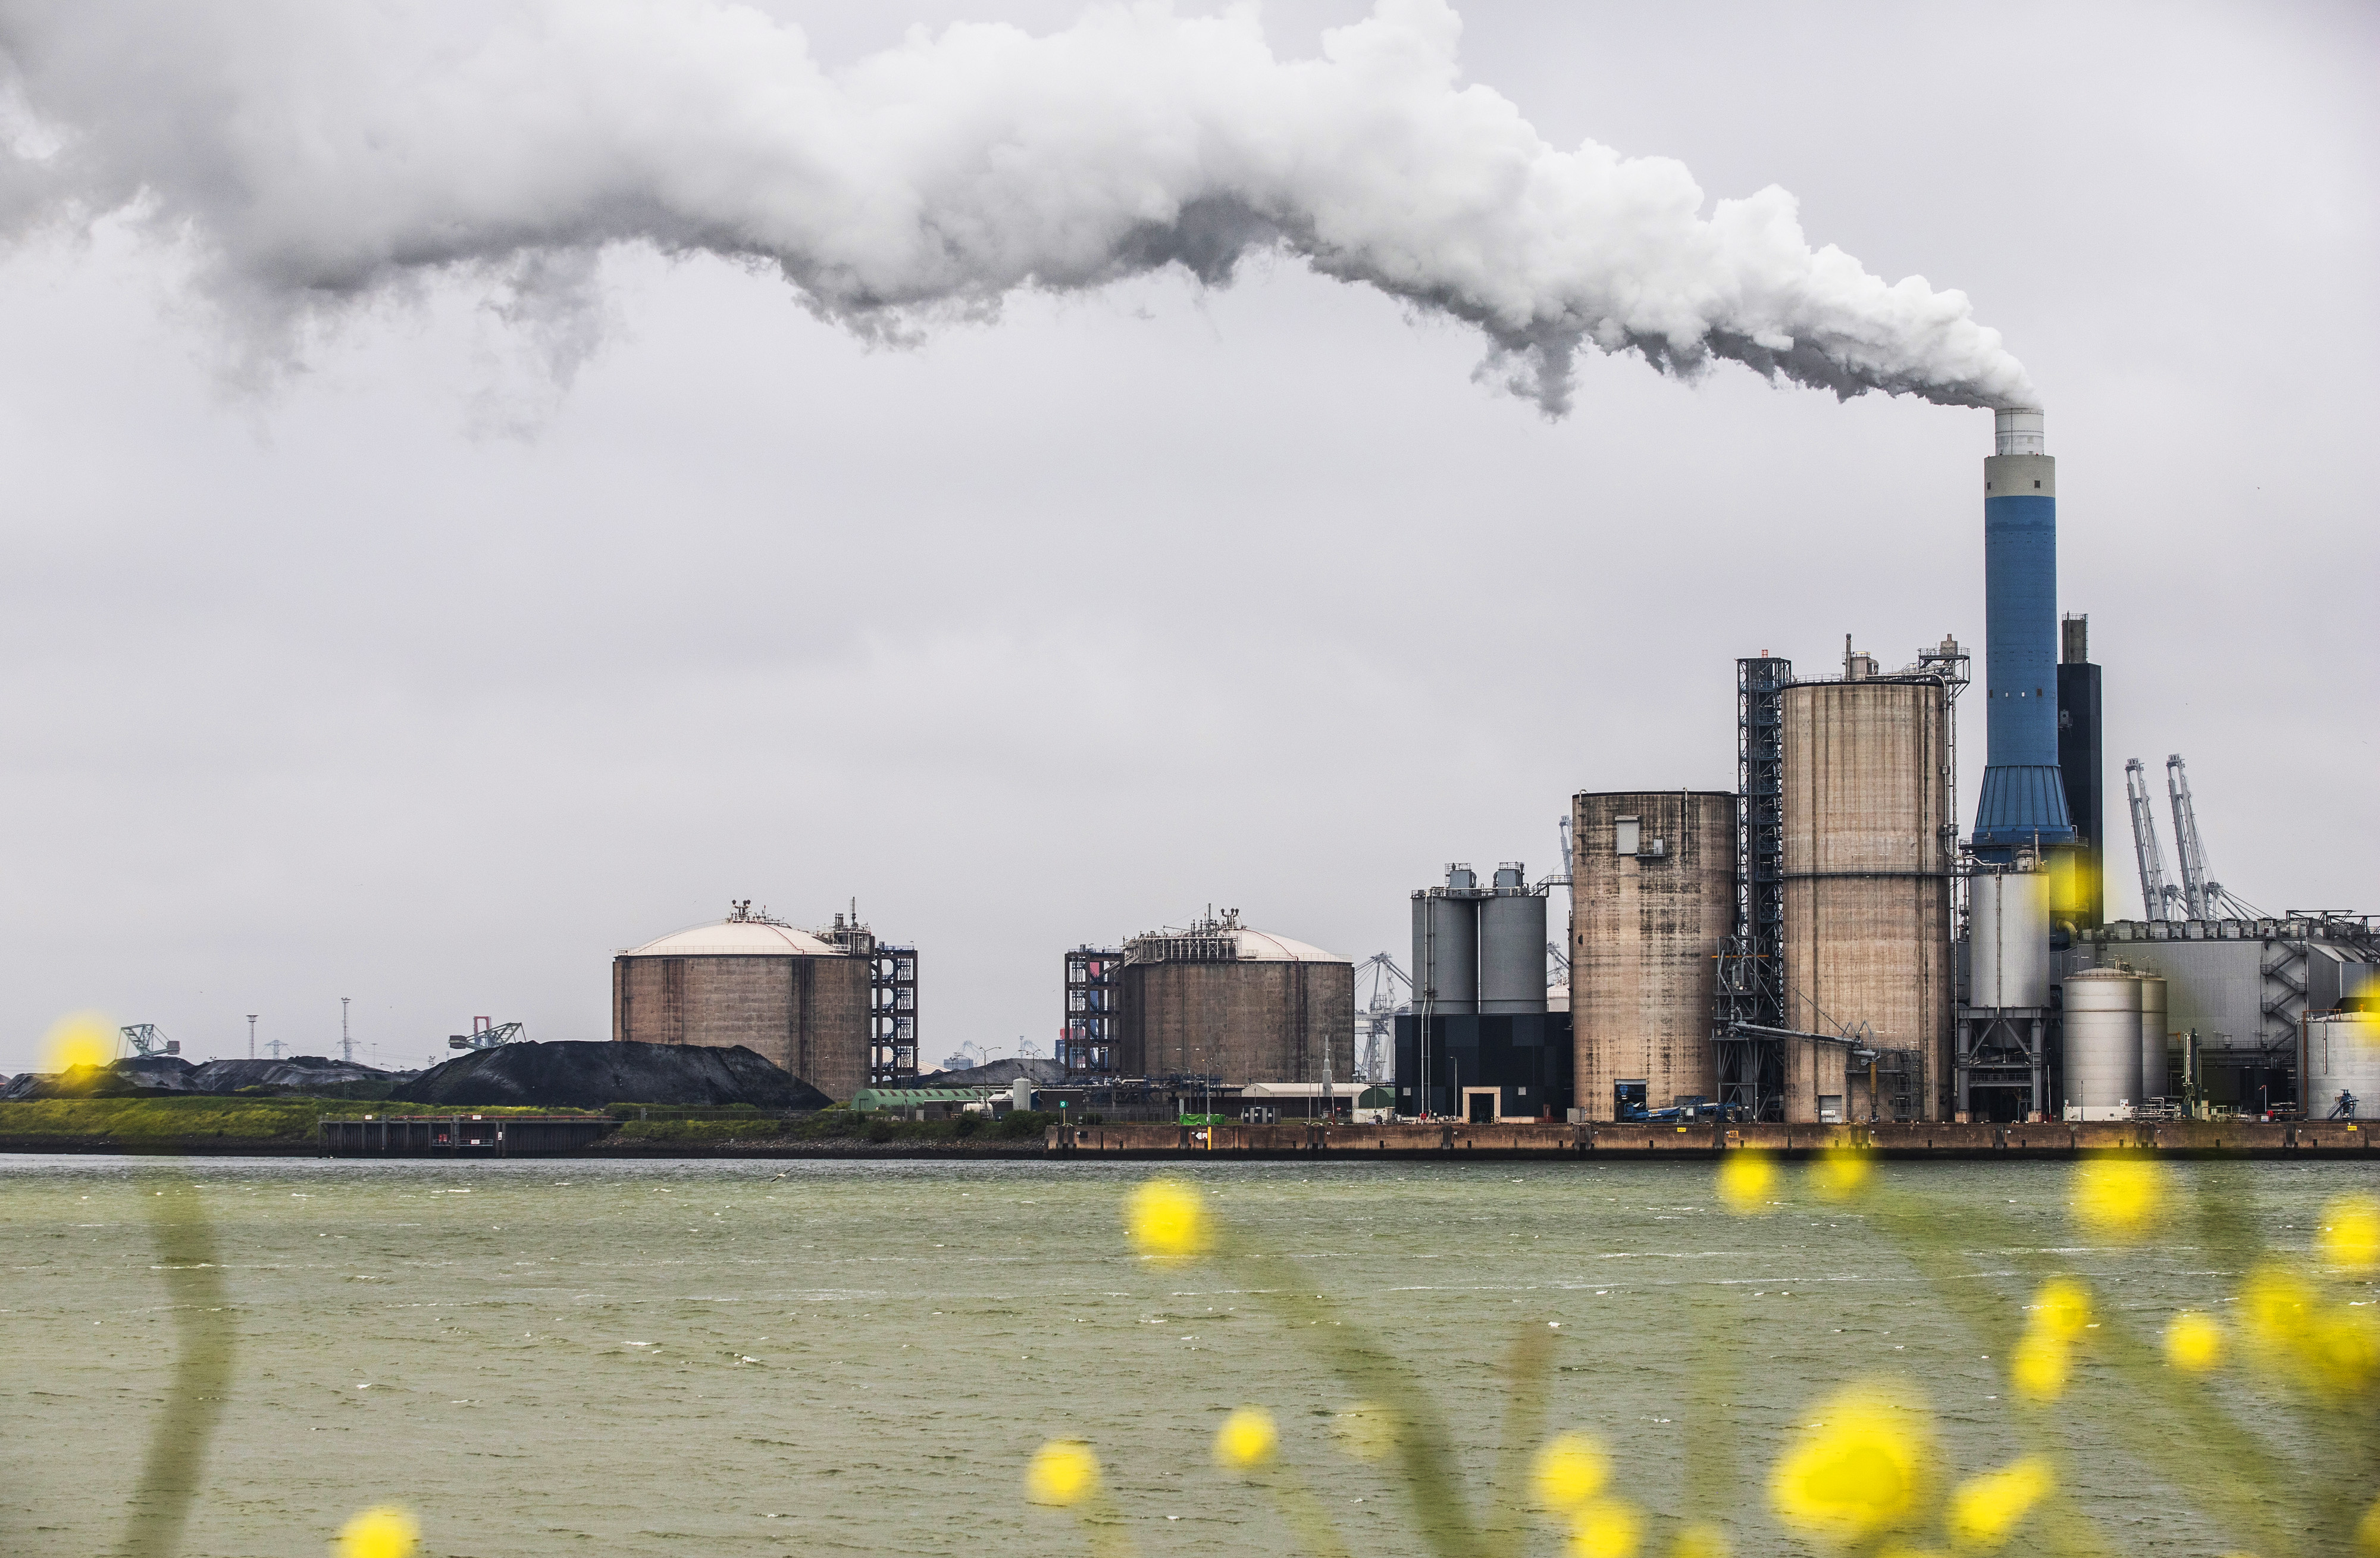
x: 2023, y: 802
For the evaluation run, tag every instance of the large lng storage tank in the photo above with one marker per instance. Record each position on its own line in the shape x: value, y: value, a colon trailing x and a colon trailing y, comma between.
x: 799, y: 1000
x: 1868, y: 850
x: 1221, y: 999
x: 1652, y: 891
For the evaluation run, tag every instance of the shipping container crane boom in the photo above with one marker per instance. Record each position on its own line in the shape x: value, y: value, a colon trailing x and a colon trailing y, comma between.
x: 2207, y: 898
x: 2157, y: 895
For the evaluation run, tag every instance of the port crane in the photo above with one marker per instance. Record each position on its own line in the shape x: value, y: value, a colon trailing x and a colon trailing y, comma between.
x: 145, y: 1040
x: 2207, y: 898
x: 2159, y: 897
x: 1376, y: 1020
x: 486, y: 1034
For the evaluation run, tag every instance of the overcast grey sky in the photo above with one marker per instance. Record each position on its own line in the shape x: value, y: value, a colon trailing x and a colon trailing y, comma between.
x: 418, y: 677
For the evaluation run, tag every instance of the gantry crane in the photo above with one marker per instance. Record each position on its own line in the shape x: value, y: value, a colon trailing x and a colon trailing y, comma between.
x: 2159, y: 897
x: 2207, y: 898
x: 1376, y: 1020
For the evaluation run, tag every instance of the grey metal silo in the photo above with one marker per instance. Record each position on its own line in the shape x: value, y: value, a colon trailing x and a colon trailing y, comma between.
x: 1512, y: 946
x: 2007, y: 939
x: 2103, y: 1044
x: 1446, y: 946
x: 2156, y: 1066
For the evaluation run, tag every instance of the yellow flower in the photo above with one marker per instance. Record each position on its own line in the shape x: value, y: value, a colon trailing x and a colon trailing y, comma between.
x: 1367, y: 1430
x: 1840, y: 1172
x: 1063, y: 1472
x: 78, y: 1039
x: 2350, y: 1234
x: 2042, y: 1363
x: 1859, y: 1470
x: 1603, y: 1529
x: 2277, y: 1307
x: 1699, y: 1539
x: 1246, y: 1440
x: 2119, y: 1197
x: 1570, y: 1471
x: 1744, y: 1179
x: 2062, y: 1308
x: 385, y: 1532
x: 2193, y: 1342
x: 1985, y: 1510
x: 2367, y: 1533
x: 1168, y: 1218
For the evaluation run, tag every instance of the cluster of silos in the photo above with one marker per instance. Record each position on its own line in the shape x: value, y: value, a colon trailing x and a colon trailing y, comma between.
x: 2117, y: 1055
x: 1479, y: 950
x: 1868, y: 852
x: 1652, y: 880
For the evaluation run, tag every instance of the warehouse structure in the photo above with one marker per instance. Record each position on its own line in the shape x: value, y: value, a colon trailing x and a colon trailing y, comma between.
x: 835, y: 1008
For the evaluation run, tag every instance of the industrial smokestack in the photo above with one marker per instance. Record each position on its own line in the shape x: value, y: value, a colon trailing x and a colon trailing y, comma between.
x: 2023, y: 800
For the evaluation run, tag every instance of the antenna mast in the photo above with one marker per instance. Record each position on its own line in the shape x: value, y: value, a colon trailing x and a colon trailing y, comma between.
x: 346, y: 1045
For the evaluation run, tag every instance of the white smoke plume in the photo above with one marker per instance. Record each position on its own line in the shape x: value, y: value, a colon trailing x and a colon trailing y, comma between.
x: 316, y: 153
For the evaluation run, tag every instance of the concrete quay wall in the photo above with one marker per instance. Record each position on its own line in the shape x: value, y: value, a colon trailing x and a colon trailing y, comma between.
x: 1623, y: 1143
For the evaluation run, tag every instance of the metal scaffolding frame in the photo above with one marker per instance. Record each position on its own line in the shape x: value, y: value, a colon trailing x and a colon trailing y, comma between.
x: 1087, y: 1040
x: 892, y: 1014
x: 1750, y: 1065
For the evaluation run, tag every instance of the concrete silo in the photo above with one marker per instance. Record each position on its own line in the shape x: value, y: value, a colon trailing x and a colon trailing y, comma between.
x: 1222, y: 1000
x: 1651, y: 894
x: 1868, y: 840
x: 800, y: 1000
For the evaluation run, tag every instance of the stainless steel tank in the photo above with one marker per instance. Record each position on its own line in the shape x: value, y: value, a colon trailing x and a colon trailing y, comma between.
x: 2007, y: 939
x: 2103, y: 1044
x: 1445, y: 954
x: 1511, y: 949
x: 2342, y: 1056
x: 2157, y: 1061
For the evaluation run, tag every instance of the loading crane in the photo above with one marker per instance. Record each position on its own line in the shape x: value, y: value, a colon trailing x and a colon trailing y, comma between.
x: 146, y: 1039
x: 2159, y: 897
x: 1376, y: 1021
x: 2207, y: 898
x: 486, y: 1034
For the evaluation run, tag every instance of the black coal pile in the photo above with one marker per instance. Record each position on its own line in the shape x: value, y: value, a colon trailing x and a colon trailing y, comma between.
x: 164, y: 1076
x: 996, y: 1073
x: 583, y: 1075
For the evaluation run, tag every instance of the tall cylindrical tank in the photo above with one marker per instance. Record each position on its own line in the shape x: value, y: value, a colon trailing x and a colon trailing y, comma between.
x: 1652, y: 892
x: 2007, y: 939
x: 2156, y: 1066
x: 2342, y: 1058
x: 1868, y: 862
x: 1445, y: 953
x: 2103, y: 1044
x: 1511, y: 948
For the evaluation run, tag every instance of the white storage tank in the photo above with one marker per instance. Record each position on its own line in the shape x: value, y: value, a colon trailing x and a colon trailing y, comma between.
x: 2103, y: 1044
x: 2157, y: 1061
x: 2342, y: 1058
x: 2007, y: 939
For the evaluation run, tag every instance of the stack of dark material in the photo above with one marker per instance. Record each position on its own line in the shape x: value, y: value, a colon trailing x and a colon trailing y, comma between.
x: 995, y: 1074
x: 166, y: 1076
x: 578, y: 1074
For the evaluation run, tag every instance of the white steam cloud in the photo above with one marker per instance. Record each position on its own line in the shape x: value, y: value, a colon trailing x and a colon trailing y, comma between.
x: 315, y: 152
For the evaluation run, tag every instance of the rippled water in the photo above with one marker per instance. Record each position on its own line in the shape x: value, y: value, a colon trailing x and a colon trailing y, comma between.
x: 763, y: 1358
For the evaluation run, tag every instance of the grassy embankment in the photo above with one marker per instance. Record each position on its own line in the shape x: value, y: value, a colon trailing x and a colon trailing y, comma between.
x: 164, y: 1125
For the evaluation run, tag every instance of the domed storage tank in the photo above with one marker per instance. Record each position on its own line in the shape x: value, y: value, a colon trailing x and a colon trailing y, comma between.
x: 1652, y: 891
x: 2156, y: 1059
x: 795, y: 999
x: 2103, y: 1044
x: 1221, y: 999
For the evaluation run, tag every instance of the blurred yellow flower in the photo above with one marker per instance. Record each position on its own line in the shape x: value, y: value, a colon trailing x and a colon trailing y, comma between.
x: 1745, y: 1180
x: 1858, y: 1471
x: 2277, y: 1306
x: 1367, y: 1430
x: 2062, y: 1308
x: 2119, y: 1196
x: 1062, y: 1472
x: 1570, y: 1471
x: 2193, y: 1342
x: 2040, y: 1367
x: 1840, y: 1172
x: 385, y: 1532
x: 2350, y: 1234
x: 1168, y: 1218
x: 1699, y: 1539
x: 78, y: 1039
x: 2367, y: 1532
x: 1603, y: 1529
x: 1986, y: 1510
x: 1246, y: 1440
x: 2342, y: 1348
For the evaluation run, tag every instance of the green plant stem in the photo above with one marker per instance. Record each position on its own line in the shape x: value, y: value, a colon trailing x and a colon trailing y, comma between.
x: 198, y: 1380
